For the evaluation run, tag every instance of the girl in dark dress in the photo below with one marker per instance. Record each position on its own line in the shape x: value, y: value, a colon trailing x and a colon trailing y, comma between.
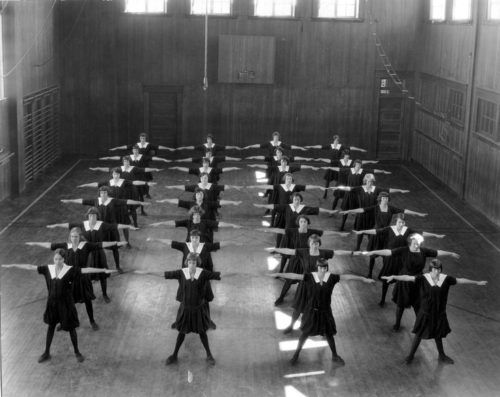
x: 196, y: 222
x: 318, y: 317
x: 432, y: 322
x: 60, y: 308
x: 273, y: 145
x: 213, y: 160
x: 77, y: 255
x: 209, y: 207
x: 303, y: 261
x: 96, y: 231
x: 192, y: 315
x: 212, y: 172
x: 392, y: 237
x: 413, y: 257
x: 145, y: 147
x: 209, y: 145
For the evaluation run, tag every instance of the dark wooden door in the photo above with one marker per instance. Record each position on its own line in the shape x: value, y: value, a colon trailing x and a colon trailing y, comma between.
x: 390, y: 115
x: 163, y: 114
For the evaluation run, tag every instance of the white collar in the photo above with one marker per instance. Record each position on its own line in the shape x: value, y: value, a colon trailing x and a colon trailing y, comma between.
x: 290, y: 189
x: 299, y: 208
x: 344, y: 163
x: 316, y: 278
x: 104, y: 202
x: 143, y: 146
x: 130, y: 168
x: 336, y: 146
x: 206, y: 187
x: 196, y: 273
x: 86, y: 225
x: 367, y: 189
x: 277, y: 143
x: 356, y: 173
x: 281, y: 168
x: 134, y: 157
x: 207, y: 170
x: 401, y: 233
x: 118, y: 183
x: 64, y: 270
x: 81, y: 244
x: 209, y: 147
x: 198, y: 250
x: 431, y: 281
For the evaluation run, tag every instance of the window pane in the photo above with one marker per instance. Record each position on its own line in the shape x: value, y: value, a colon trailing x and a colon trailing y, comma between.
x: 146, y: 6
x: 338, y: 8
x: 438, y: 10
x: 494, y: 9
x: 461, y: 10
x: 215, y: 7
x: 274, y: 8
x: 486, y: 117
x: 1, y: 59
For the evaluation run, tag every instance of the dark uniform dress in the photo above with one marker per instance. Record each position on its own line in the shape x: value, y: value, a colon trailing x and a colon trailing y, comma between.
x: 210, y: 208
x: 302, y: 263
x: 405, y: 293
x: 211, y: 191
x: 214, y: 148
x: 367, y: 197
x: 287, y: 214
x: 432, y: 321
x: 146, y: 148
x: 213, y: 173
x: 271, y: 147
x: 354, y: 179
x: 392, y: 239
x: 193, y: 314
x: 318, y: 317
x: 381, y: 219
x: 335, y: 161
x: 203, y: 250
x: 60, y: 306
x: 294, y: 239
x: 111, y: 211
x: 205, y: 227
x: 123, y: 189
x: 214, y: 161
x: 79, y: 258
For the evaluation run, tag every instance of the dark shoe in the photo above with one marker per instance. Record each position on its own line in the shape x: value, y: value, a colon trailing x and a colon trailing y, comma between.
x: 381, y: 303
x: 148, y: 196
x: 445, y: 359
x: 268, y: 211
x: 143, y: 213
x: 294, y: 359
x: 120, y: 270
x: 325, y: 194
x: 278, y: 301
x: 338, y: 360
x: 79, y: 357
x: 128, y: 245
x: 106, y: 298
x: 210, y: 360
x: 44, y: 357
x: 408, y: 360
x: 396, y: 328
x: 369, y: 275
x: 94, y: 326
x: 288, y: 330
x: 171, y: 360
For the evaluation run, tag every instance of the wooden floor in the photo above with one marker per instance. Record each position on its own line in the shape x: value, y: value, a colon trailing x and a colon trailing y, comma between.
x: 126, y: 356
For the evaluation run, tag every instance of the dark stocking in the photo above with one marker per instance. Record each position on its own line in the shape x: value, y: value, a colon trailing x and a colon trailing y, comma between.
x: 399, y: 315
x: 344, y: 219
x: 90, y: 310
x: 335, y: 202
x: 178, y: 343
x: 104, y: 284
x: 359, y: 239
x: 331, y: 342
x: 385, y: 288
x: 126, y: 235
x: 50, y: 336
x: 371, y: 266
x: 414, y: 347
x: 74, y: 340
x: 116, y: 256
x: 302, y: 340
x: 204, y: 341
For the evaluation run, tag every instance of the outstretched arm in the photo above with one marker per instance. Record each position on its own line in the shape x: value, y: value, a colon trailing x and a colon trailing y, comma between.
x: 255, y: 157
x: 376, y: 171
x: 74, y: 201
x: 393, y: 190
x: 467, y: 281
x: 147, y: 169
x: 54, y: 225
x: 21, y: 266
x: 165, y: 223
x: 183, y: 169
x: 271, y: 230
x: 427, y: 234
x: 169, y: 201
x: 353, y: 211
x: 233, y: 158
x: 410, y: 212
x: 154, y: 158
x: 369, y: 161
x: 186, y: 160
x: 453, y: 255
x: 268, y: 206
x: 290, y: 276
x: 102, y: 169
x: 357, y: 149
x: 309, y: 167
x: 284, y: 251
x: 225, y: 224
x: 399, y: 278
x: 124, y: 147
x: 313, y: 147
x: 310, y: 187
x: 93, y: 184
x: 255, y: 146
x: 357, y: 278
x: 262, y: 166
x: 331, y: 212
x: 369, y: 231
x: 38, y: 244
x: 110, y: 158
x: 181, y: 187
x: 377, y: 252
x: 166, y: 148
x: 227, y: 169
x: 260, y: 187
x: 335, y: 233
x: 229, y: 202
x: 298, y: 147
x: 160, y: 240
x: 89, y: 270
x: 185, y: 148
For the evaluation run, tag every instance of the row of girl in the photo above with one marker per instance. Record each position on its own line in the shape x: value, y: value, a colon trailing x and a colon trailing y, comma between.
x: 302, y: 260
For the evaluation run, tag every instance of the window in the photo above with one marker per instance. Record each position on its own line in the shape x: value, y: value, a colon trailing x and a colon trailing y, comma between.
x: 487, y: 118
x: 461, y: 10
x: 274, y: 8
x: 456, y: 105
x: 146, y: 6
x: 212, y: 7
x: 494, y: 9
x: 338, y: 8
x: 437, y: 10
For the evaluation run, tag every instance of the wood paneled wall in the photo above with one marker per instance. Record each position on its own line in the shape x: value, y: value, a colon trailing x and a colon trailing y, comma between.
x: 29, y: 66
x: 324, y: 73
x: 467, y: 56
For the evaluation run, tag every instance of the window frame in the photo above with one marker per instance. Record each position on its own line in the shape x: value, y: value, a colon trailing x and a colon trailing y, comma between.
x: 164, y: 12
x: 253, y: 8
x: 488, y: 12
x: 448, y: 13
x: 316, y: 16
x: 489, y: 98
x: 210, y: 12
